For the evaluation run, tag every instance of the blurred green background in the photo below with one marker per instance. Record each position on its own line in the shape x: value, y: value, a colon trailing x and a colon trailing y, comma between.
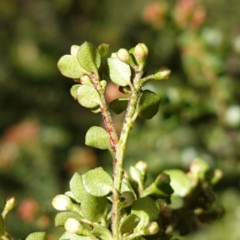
x: 42, y: 128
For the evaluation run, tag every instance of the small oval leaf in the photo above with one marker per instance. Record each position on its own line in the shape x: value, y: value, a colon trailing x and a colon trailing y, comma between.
x: 119, y: 72
x: 97, y: 182
x: 129, y: 223
x: 102, y: 233
x: 103, y: 49
x: 94, y: 208
x: 146, y: 209
x: 76, y: 186
x: 97, y: 137
x: 88, y: 96
x: 69, y: 67
x: 89, y: 57
x: 37, y: 236
x: 180, y: 182
x: 74, y: 90
x: 119, y: 105
x: 148, y: 104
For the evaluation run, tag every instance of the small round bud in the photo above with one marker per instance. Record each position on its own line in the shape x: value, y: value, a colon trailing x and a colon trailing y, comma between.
x: 61, y: 202
x: 161, y: 179
x: 103, y: 83
x: 151, y: 229
x: 10, y: 203
x: 72, y: 225
x: 142, y: 167
x: 123, y: 55
x: 216, y: 176
x: 141, y: 51
x: 74, y: 50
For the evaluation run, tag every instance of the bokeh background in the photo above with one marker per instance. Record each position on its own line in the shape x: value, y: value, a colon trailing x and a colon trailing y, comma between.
x: 42, y: 128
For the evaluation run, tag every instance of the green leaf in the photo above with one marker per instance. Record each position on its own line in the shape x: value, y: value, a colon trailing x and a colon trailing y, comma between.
x: 94, y: 208
x: 2, y: 226
x: 129, y: 223
x: 76, y: 186
x: 103, y: 49
x: 180, y: 182
x: 146, y: 209
x: 74, y: 90
x: 148, y: 104
x: 37, y: 236
x: 89, y: 57
x: 86, y: 95
x: 97, y: 137
x: 69, y: 67
x: 62, y: 217
x: 97, y: 182
x: 72, y: 236
x: 119, y: 105
x: 102, y: 233
x: 119, y: 72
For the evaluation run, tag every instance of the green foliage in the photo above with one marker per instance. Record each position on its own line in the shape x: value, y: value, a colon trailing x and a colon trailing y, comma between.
x: 123, y: 203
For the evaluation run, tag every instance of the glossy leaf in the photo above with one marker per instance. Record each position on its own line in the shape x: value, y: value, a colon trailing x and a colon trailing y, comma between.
x: 146, y: 209
x: 97, y: 137
x: 76, y: 186
x: 86, y: 95
x: 119, y: 105
x: 180, y: 182
x: 97, y: 182
x: 148, y: 104
x: 69, y: 67
x: 119, y: 72
x: 129, y: 223
x: 94, y: 208
x: 62, y: 217
x: 102, y: 233
x: 37, y: 236
x: 89, y: 57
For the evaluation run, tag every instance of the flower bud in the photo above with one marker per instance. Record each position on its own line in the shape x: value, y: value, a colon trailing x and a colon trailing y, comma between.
x: 72, y: 225
x: 61, y: 202
x: 141, y: 51
x: 74, y: 50
x: 10, y: 203
x: 162, y: 74
x: 142, y: 167
x: 123, y: 55
x: 151, y: 229
x: 103, y: 83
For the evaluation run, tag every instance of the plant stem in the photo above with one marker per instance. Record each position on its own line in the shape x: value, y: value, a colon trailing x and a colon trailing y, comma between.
x: 120, y: 150
x: 105, y: 112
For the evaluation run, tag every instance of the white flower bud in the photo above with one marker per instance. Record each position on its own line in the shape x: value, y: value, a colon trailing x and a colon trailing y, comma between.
x: 61, y: 202
x: 72, y: 225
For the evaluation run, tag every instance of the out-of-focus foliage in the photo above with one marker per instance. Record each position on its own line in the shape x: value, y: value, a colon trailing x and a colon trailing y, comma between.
x: 42, y: 129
